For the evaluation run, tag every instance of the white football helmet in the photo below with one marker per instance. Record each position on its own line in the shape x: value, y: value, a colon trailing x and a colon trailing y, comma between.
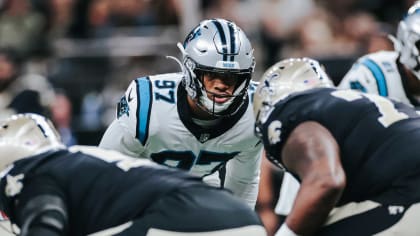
x: 217, y: 46
x: 26, y: 135
x: 282, y: 79
x: 407, y: 41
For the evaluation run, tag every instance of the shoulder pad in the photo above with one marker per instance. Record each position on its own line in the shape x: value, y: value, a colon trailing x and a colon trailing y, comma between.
x: 135, y: 106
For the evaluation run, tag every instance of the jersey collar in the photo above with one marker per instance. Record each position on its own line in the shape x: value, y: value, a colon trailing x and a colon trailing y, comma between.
x: 204, y: 134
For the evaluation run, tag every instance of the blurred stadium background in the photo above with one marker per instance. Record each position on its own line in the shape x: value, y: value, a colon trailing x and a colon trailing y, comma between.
x: 89, y: 50
x: 82, y: 54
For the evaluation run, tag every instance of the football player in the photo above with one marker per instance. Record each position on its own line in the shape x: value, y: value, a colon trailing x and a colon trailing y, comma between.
x: 47, y: 189
x: 394, y: 74
x: 201, y: 119
x: 354, y: 154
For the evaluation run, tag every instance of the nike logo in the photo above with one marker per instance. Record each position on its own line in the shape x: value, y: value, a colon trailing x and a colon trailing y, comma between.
x: 129, y: 95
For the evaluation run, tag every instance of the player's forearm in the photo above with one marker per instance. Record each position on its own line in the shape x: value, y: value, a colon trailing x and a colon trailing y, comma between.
x: 313, y: 203
x: 248, y: 192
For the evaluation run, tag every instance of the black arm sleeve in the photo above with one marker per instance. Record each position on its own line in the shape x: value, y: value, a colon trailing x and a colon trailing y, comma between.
x: 41, y: 207
x: 44, y: 215
x: 37, y: 231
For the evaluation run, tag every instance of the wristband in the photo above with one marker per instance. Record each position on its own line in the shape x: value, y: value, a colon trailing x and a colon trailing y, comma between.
x: 285, y: 231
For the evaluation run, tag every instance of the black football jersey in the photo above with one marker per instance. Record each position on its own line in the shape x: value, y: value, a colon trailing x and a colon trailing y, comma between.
x: 378, y: 140
x: 100, y: 190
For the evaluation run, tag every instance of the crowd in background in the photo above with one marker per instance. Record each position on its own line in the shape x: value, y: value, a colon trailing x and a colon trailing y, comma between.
x: 89, y: 50
x: 76, y: 57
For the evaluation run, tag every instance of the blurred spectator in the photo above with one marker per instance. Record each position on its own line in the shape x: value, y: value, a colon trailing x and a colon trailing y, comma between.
x: 332, y: 30
x: 20, y: 92
x: 61, y: 116
x: 220, y: 9
x: 90, y: 19
x: 61, y: 13
x: 244, y: 12
x: 379, y: 40
x: 386, y: 11
x: 21, y: 27
x: 280, y: 20
x: 131, y: 13
x: 167, y: 12
x: 9, y: 70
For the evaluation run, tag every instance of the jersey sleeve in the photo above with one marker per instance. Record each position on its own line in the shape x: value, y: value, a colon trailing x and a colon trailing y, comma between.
x: 128, y: 133
x: 243, y: 175
x: 41, y: 207
x: 359, y: 77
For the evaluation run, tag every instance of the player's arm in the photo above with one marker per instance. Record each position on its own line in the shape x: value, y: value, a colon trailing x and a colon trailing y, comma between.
x: 312, y: 153
x: 41, y: 209
x: 119, y: 138
x: 121, y: 133
x: 265, y: 201
x: 243, y: 174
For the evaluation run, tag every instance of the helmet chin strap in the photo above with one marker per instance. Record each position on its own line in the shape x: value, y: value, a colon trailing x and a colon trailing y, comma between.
x: 211, y: 106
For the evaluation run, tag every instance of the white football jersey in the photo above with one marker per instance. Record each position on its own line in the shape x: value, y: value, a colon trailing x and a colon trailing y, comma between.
x: 154, y: 121
x: 377, y: 73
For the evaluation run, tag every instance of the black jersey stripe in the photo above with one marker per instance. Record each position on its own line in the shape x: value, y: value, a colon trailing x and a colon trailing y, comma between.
x: 232, y: 41
x: 222, y: 34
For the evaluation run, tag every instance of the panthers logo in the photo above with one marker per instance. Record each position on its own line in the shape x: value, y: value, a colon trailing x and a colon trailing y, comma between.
x: 123, y: 108
x: 193, y: 34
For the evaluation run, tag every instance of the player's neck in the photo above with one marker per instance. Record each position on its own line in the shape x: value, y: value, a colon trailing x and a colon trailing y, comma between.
x: 197, y: 112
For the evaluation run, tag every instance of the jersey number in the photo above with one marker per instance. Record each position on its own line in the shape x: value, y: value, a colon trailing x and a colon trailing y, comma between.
x: 389, y: 114
x: 166, y: 90
x: 186, y: 160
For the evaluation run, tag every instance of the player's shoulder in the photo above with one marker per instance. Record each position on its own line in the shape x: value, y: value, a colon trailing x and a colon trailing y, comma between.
x: 302, y: 104
x: 156, y: 81
x: 147, y: 99
x: 381, y: 56
x: 370, y: 71
x: 152, y: 88
x: 175, y: 77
